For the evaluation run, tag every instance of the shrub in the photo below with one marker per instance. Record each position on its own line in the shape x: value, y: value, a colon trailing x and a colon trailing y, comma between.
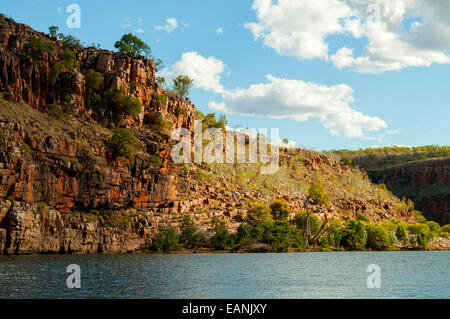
x: 180, y: 111
x: 94, y: 80
x: 121, y: 103
x: 259, y: 214
x: 161, y: 100
x: 67, y: 57
x: 55, y: 71
x: 355, y: 235
x: 434, y: 229
x: 35, y: 48
x: 422, y: 233
x: 155, y: 159
x: 400, y: 233
x: 317, y: 194
x: 69, y: 42
x: 181, y: 85
x: 244, y: 234
x: 166, y: 240
x: 221, y: 238
x: 53, y: 30
x: 280, y: 236
x: 132, y: 45
x: 210, y: 121
x: 280, y: 209
x: 189, y: 236
x: 446, y: 228
x: 122, y: 142
x: 159, y: 124
x: 361, y: 217
x: 54, y: 111
x: 301, y: 219
x: 378, y: 238
x: 333, y: 237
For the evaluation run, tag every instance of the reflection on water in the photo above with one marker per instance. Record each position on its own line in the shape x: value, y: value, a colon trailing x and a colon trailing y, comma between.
x: 296, y: 275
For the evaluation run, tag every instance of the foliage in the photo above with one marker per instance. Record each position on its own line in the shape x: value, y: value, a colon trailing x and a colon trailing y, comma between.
x: 132, y: 45
x: 69, y: 42
x: 159, y: 124
x: 221, y: 238
x: 53, y: 30
x: 259, y: 214
x: 121, y: 103
x: 281, y: 235
x: 355, y: 235
x: 12, y: 200
x: 361, y: 217
x: 401, y: 234
x: 280, y: 209
x: 166, y: 240
x: 55, y: 71
x: 333, y: 237
x: 317, y: 194
x: 300, y: 221
x: 35, y: 48
x: 94, y: 80
x: 378, y: 238
x: 446, y: 228
x: 161, y: 81
x: 199, y: 115
x: 181, y: 85
x: 180, y: 111
x: 189, y: 237
x: 122, y: 142
x: 161, y: 100
x: 243, y: 234
x: 421, y: 232
x: 210, y: 121
x: 67, y: 57
x: 155, y: 159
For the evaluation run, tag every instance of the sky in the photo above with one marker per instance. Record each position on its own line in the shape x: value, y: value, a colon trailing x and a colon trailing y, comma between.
x: 330, y: 74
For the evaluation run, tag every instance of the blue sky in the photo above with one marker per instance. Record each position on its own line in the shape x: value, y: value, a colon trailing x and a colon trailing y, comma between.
x: 401, y: 93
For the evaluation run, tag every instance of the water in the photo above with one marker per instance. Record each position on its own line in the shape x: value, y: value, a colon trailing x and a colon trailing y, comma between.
x: 418, y: 274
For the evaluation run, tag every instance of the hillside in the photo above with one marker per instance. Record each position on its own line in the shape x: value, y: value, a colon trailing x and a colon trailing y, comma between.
x: 421, y: 174
x: 85, y: 166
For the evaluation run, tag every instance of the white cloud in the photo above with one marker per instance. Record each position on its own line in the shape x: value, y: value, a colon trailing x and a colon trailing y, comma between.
x: 402, y: 36
x: 219, y: 30
x: 126, y: 23
x: 206, y: 72
x: 139, y: 30
x: 298, y: 100
x: 170, y: 26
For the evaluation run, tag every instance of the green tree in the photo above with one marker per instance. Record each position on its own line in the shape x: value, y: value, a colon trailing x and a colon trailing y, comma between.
x: 355, y: 235
x: 377, y: 237
x: 400, y: 233
x: 244, y: 234
x: 53, y: 30
x: 166, y: 240
x: 122, y: 142
x: 189, y: 236
x: 94, y: 80
x: 317, y: 194
x: 222, y: 238
x: 35, y: 47
x: 280, y: 236
x: 280, y: 209
x: 181, y: 85
x: 302, y: 218
x: 132, y: 45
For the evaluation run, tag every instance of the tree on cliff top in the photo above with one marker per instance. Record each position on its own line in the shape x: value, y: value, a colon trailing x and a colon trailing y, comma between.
x: 132, y: 45
x: 181, y: 85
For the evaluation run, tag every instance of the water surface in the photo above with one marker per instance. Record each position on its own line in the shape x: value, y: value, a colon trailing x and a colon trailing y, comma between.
x: 420, y: 274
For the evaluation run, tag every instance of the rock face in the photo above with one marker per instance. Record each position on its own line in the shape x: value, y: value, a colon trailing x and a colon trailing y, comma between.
x: 426, y: 182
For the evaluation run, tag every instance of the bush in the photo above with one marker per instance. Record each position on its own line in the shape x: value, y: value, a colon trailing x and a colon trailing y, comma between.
x: 280, y: 209
x: 434, y: 229
x: 55, y: 71
x: 122, y: 142
x: 210, y: 121
x: 280, y: 236
x: 94, y: 80
x: 355, y: 235
x: 121, y: 103
x: 35, y: 48
x: 69, y: 42
x: 189, y: 236
x: 161, y: 100
x: 244, y: 234
x: 180, y: 111
x: 221, y: 238
x: 132, y: 45
x: 361, y: 217
x: 317, y: 194
x: 401, y: 235
x: 300, y: 221
x: 67, y: 57
x: 155, y: 159
x: 54, y: 111
x: 422, y: 233
x: 259, y: 214
x: 166, y: 240
x: 446, y: 229
x: 378, y: 238
x: 159, y: 124
x: 333, y: 237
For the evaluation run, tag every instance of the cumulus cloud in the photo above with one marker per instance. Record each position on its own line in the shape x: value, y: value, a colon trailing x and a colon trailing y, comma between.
x: 170, y: 26
x: 206, y: 71
x: 219, y: 30
x: 300, y: 101
x: 397, y: 34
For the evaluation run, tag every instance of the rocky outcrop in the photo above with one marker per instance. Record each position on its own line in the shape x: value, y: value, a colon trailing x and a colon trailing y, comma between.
x: 426, y: 182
